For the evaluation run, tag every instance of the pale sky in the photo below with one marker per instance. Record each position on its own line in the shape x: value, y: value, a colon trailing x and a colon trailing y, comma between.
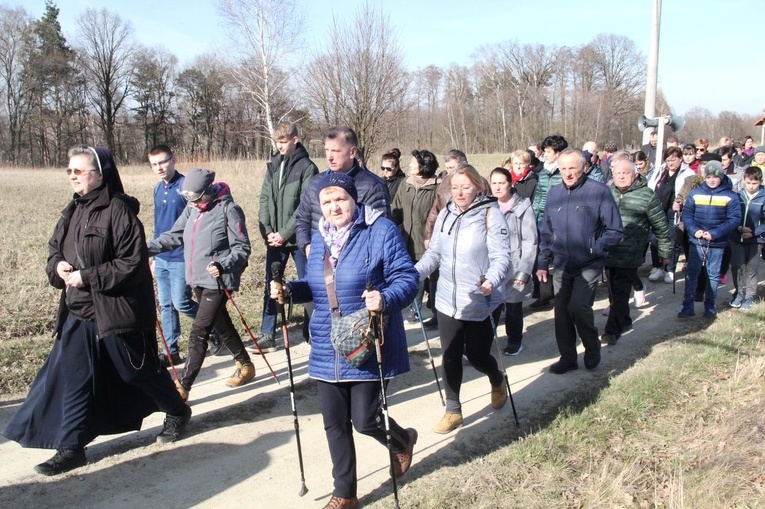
x: 708, y: 48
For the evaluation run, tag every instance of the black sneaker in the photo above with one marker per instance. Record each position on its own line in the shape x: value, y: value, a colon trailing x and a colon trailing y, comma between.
x: 176, y: 358
x: 609, y: 338
x: 512, y: 350
x: 63, y: 461
x: 173, y: 427
x: 431, y: 323
x: 540, y: 303
x: 216, y: 345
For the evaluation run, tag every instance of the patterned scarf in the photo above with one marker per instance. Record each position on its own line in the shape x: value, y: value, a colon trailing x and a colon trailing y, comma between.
x: 335, y: 238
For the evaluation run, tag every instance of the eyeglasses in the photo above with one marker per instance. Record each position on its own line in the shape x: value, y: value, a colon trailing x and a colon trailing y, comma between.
x: 387, y: 168
x: 77, y: 171
x: 160, y: 163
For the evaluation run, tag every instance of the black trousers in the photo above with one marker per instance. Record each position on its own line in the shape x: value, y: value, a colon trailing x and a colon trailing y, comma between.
x: 620, y: 284
x: 513, y: 321
x: 349, y: 405
x: 212, y: 313
x: 574, y: 297
x: 473, y: 339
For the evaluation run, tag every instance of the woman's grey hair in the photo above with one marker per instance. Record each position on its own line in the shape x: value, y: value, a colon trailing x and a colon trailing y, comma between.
x: 89, y: 152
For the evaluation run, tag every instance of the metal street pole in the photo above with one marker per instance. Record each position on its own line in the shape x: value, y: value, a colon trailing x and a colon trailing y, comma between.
x: 653, y: 69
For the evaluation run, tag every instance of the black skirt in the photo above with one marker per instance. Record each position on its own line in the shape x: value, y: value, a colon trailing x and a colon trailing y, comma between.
x: 79, y: 394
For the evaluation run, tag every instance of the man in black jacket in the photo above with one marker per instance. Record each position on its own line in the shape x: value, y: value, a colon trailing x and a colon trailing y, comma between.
x: 287, y: 177
x: 341, y: 149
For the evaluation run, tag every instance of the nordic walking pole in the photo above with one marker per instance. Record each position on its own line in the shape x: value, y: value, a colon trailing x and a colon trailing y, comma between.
x: 247, y: 327
x: 276, y: 276
x: 500, y: 360
x: 430, y: 355
x: 675, y: 254
x: 378, y: 336
x: 167, y: 349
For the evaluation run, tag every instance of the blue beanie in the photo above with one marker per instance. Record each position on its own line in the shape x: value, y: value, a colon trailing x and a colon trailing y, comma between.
x: 338, y: 179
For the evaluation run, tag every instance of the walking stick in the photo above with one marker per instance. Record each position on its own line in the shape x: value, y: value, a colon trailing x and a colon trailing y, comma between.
x: 430, y: 355
x: 167, y: 349
x: 247, y: 328
x: 276, y: 276
x: 376, y: 324
x: 499, y: 358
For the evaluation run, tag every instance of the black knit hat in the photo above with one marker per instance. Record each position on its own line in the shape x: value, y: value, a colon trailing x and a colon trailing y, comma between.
x: 338, y: 179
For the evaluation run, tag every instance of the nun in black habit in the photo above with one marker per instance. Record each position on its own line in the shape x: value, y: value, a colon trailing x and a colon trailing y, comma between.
x: 103, y: 375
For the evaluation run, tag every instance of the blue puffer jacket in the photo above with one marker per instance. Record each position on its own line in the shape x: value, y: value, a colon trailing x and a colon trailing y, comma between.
x: 752, y: 216
x: 372, y: 191
x: 580, y: 225
x: 374, y: 252
x: 716, y: 211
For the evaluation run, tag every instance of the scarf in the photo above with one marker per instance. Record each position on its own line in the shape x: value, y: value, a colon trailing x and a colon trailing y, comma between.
x: 517, y: 178
x: 505, y: 207
x: 335, y: 238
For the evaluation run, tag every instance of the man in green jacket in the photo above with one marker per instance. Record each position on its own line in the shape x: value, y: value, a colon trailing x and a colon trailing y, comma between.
x: 640, y: 211
x: 287, y: 176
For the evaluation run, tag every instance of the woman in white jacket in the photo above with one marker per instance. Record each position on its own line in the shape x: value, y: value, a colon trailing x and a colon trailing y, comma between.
x: 469, y: 247
x: 522, y: 226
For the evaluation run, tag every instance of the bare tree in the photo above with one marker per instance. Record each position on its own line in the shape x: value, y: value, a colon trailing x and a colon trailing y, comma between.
x: 153, y: 89
x: 16, y: 38
x: 106, y: 50
x: 360, y: 79
x: 264, y: 33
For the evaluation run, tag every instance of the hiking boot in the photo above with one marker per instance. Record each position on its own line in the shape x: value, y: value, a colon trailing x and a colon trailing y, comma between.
x: 512, y: 350
x: 431, y: 323
x: 342, y: 503
x: 499, y: 395
x: 243, y: 374
x: 216, y: 344
x: 709, y: 311
x: 736, y: 301
x: 669, y: 277
x: 63, y: 461
x: 640, y: 297
x: 448, y: 423
x: 182, y: 390
x: 687, y: 310
x: 266, y: 342
x: 747, y: 304
x: 608, y: 339
x: 173, y: 427
x: 563, y: 366
x: 412, y: 316
x: 403, y: 460
x: 656, y: 274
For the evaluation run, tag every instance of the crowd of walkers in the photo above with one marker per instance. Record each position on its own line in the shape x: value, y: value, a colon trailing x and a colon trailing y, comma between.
x: 550, y: 225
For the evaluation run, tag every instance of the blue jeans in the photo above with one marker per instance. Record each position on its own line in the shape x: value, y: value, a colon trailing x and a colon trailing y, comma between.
x: 281, y: 255
x: 174, y: 296
x: 697, y: 261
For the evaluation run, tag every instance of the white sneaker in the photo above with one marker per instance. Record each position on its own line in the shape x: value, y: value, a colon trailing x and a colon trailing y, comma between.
x: 656, y: 274
x: 669, y: 277
x: 606, y: 311
x: 640, y: 297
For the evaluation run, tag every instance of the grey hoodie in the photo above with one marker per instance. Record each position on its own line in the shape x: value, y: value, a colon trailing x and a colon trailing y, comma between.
x: 217, y: 233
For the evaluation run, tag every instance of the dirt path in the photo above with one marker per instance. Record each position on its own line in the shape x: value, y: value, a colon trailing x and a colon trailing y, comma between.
x: 241, y: 449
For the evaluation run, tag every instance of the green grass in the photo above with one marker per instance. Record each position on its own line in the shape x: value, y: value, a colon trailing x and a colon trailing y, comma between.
x: 682, y: 428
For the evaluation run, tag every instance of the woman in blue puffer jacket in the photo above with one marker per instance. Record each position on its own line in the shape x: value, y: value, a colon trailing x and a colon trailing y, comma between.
x: 469, y: 246
x: 356, y: 246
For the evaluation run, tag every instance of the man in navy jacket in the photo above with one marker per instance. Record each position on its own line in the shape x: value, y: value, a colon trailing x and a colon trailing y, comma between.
x: 581, y: 222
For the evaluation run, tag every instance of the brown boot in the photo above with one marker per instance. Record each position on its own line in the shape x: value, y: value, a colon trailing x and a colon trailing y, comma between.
x: 183, y: 391
x: 342, y: 503
x: 243, y: 374
x: 403, y: 460
x: 499, y: 395
x: 449, y: 422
